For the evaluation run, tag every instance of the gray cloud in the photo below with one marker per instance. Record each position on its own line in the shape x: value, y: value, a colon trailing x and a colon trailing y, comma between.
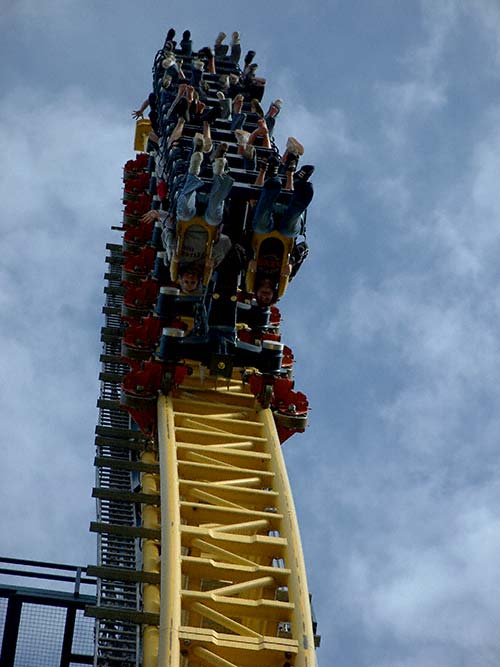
x: 393, y: 319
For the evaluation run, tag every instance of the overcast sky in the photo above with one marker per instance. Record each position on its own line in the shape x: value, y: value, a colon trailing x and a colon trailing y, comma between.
x: 393, y: 319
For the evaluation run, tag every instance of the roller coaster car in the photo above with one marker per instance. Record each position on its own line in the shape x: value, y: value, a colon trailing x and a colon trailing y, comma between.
x: 134, y: 187
x: 140, y: 339
x: 289, y: 407
x: 271, y: 260
x: 137, y: 265
x: 206, y: 234
x: 140, y: 389
x: 139, y: 299
x: 134, y: 209
x: 136, y: 237
x: 132, y: 168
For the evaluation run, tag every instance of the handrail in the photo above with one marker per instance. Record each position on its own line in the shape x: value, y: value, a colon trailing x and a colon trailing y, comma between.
x: 77, y: 579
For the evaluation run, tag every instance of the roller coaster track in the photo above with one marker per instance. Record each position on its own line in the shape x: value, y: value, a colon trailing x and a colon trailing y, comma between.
x: 199, y: 556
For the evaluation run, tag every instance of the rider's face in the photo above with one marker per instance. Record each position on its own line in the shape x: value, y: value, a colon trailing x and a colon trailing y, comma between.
x: 264, y: 296
x: 188, y: 282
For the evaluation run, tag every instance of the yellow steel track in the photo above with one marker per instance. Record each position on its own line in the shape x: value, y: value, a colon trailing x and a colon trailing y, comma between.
x: 233, y: 584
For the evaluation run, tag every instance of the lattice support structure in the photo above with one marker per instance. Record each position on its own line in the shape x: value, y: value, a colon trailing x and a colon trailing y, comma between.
x: 233, y: 584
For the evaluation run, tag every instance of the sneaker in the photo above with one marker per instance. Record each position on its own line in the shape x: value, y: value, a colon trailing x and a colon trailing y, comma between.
x: 249, y: 57
x: 198, y: 142
x: 273, y: 164
x: 274, y: 108
x: 210, y: 114
x: 294, y: 146
x: 304, y: 173
x: 207, y: 52
x: 256, y: 108
x: 242, y: 137
x: 207, y: 144
x: 195, y: 163
x: 221, y: 150
x: 219, y: 166
x: 249, y: 152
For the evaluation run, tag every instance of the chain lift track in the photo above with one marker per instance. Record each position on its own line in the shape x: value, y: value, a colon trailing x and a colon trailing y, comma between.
x: 199, y: 561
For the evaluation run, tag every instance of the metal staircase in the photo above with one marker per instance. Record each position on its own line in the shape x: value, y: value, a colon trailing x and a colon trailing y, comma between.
x: 118, y: 557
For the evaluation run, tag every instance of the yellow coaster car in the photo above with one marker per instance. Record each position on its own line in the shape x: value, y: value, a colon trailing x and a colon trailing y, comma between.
x: 271, y: 260
x: 194, y: 243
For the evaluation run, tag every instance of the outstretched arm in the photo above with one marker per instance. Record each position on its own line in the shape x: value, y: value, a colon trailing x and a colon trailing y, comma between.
x: 139, y: 113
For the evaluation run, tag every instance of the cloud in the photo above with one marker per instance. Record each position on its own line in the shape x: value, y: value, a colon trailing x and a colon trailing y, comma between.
x: 422, y: 88
x: 486, y: 15
x: 41, y: 10
x: 64, y: 158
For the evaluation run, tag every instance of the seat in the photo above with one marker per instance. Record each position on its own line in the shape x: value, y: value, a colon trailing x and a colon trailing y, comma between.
x: 199, y: 226
x: 142, y: 130
x: 271, y: 254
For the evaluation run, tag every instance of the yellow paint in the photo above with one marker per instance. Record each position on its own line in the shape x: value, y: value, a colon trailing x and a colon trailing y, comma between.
x: 233, y: 582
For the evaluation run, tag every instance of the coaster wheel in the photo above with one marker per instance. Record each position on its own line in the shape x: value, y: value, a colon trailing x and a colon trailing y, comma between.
x: 166, y: 383
x: 132, y: 246
x: 130, y: 196
x: 130, y: 311
x: 137, y: 402
x: 267, y: 396
x: 135, y: 353
x: 131, y: 220
x: 132, y: 277
x: 296, y: 422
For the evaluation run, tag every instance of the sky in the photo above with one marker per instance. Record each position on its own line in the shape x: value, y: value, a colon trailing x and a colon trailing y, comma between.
x: 393, y: 319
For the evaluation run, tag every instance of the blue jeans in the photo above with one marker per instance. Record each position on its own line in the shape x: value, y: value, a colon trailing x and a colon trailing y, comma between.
x: 221, y: 185
x: 186, y: 203
x: 237, y: 121
x: 290, y: 223
x: 235, y: 54
x: 263, y: 221
x: 270, y: 122
x: 196, y: 77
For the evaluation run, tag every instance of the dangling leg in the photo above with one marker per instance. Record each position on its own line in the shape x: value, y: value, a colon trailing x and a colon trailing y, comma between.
x: 207, y: 137
x: 176, y: 132
x: 262, y: 222
x: 221, y: 186
x: 291, y: 221
x: 186, y: 202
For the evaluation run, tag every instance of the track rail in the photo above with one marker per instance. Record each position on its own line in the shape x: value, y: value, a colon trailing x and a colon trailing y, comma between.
x: 233, y: 583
